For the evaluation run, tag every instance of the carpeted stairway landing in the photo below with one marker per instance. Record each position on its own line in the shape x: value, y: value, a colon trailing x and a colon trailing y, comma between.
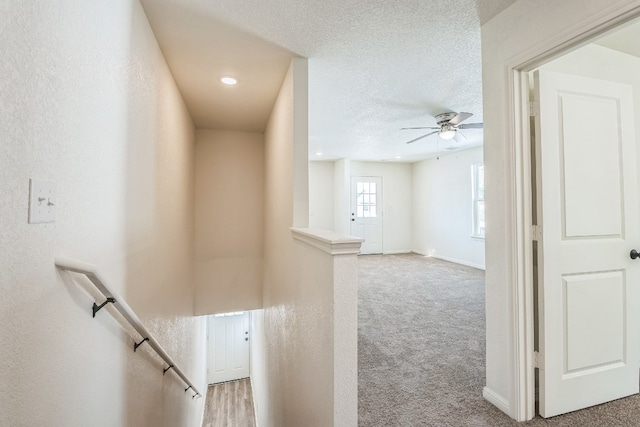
x: 421, y: 350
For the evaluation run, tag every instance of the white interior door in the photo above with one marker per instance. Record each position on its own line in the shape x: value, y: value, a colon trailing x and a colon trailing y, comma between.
x: 228, y: 347
x: 588, y: 285
x: 366, y: 212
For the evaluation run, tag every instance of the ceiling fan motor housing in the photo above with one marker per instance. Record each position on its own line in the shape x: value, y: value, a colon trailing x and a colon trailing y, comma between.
x: 444, y: 118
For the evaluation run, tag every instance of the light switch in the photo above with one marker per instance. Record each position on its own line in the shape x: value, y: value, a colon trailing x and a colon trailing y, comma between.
x: 42, y: 201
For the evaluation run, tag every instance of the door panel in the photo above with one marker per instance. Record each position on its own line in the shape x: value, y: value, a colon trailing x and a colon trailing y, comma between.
x: 589, y: 335
x: 366, y: 212
x: 587, y: 146
x: 228, y: 347
x: 594, y: 312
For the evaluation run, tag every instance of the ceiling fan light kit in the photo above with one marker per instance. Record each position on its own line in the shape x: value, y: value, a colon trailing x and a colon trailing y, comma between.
x: 448, y: 125
x: 447, y: 132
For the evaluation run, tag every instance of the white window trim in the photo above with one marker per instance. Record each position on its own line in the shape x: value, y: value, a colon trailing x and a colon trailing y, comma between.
x: 474, y: 202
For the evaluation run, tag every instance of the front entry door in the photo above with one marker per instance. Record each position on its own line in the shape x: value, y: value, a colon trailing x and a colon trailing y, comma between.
x: 589, y: 335
x: 366, y: 212
x: 227, y: 347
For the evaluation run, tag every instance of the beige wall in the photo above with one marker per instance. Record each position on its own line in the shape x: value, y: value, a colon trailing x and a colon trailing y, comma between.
x: 229, y: 215
x: 508, y: 39
x: 321, y: 211
x: 295, y: 387
x: 89, y: 103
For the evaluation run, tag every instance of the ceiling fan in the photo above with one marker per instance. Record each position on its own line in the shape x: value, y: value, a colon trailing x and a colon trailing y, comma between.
x: 448, y: 125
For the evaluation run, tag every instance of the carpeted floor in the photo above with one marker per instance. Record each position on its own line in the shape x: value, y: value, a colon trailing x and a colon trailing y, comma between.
x: 421, y: 350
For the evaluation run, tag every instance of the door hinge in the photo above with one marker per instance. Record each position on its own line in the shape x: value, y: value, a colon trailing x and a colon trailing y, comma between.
x: 534, y: 108
x: 536, y: 233
x: 537, y: 360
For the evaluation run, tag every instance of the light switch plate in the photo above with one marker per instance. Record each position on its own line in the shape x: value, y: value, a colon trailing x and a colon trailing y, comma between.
x: 42, y: 201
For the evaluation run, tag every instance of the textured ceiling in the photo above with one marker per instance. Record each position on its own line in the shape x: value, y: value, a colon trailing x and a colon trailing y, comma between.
x: 374, y: 66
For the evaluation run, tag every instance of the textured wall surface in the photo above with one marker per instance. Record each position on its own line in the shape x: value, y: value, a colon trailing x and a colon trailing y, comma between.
x: 442, y: 208
x: 89, y: 103
x: 229, y: 216
x: 345, y: 340
x: 295, y: 387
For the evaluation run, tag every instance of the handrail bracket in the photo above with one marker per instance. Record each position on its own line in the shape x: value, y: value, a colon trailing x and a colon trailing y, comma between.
x: 96, y: 307
x: 136, y: 345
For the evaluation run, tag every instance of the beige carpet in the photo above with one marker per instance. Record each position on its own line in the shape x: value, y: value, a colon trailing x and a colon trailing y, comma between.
x: 421, y: 350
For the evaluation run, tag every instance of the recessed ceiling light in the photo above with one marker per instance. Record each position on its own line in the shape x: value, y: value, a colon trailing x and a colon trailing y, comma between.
x: 318, y: 153
x: 228, y: 80
x: 398, y: 157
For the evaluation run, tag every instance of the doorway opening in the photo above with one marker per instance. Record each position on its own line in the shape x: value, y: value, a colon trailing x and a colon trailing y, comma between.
x: 581, y: 333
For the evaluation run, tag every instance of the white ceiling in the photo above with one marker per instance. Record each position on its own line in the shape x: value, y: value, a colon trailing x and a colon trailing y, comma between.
x: 374, y: 66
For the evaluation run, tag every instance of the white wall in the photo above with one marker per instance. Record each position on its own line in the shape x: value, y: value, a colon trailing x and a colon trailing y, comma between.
x: 89, y: 103
x: 397, y: 202
x: 321, y: 197
x: 229, y: 216
x: 442, y: 208
x: 427, y: 205
x: 508, y: 39
x: 341, y: 190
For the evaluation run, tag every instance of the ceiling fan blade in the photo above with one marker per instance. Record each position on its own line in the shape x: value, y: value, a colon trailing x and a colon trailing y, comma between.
x: 461, y: 117
x: 471, y: 126
x: 423, y: 127
x: 423, y: 136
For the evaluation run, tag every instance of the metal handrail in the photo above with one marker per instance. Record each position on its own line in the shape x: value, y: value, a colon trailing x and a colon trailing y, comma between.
x: 91, y: 272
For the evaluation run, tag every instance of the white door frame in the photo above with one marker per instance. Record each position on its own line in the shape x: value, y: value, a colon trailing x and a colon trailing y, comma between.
x: 379, y: 218
x: 231, y: 373
x: 521, y: 298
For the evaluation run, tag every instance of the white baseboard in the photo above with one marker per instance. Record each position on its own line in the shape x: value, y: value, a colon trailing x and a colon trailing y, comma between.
x: 497, y: 400
x: 457, y: 261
